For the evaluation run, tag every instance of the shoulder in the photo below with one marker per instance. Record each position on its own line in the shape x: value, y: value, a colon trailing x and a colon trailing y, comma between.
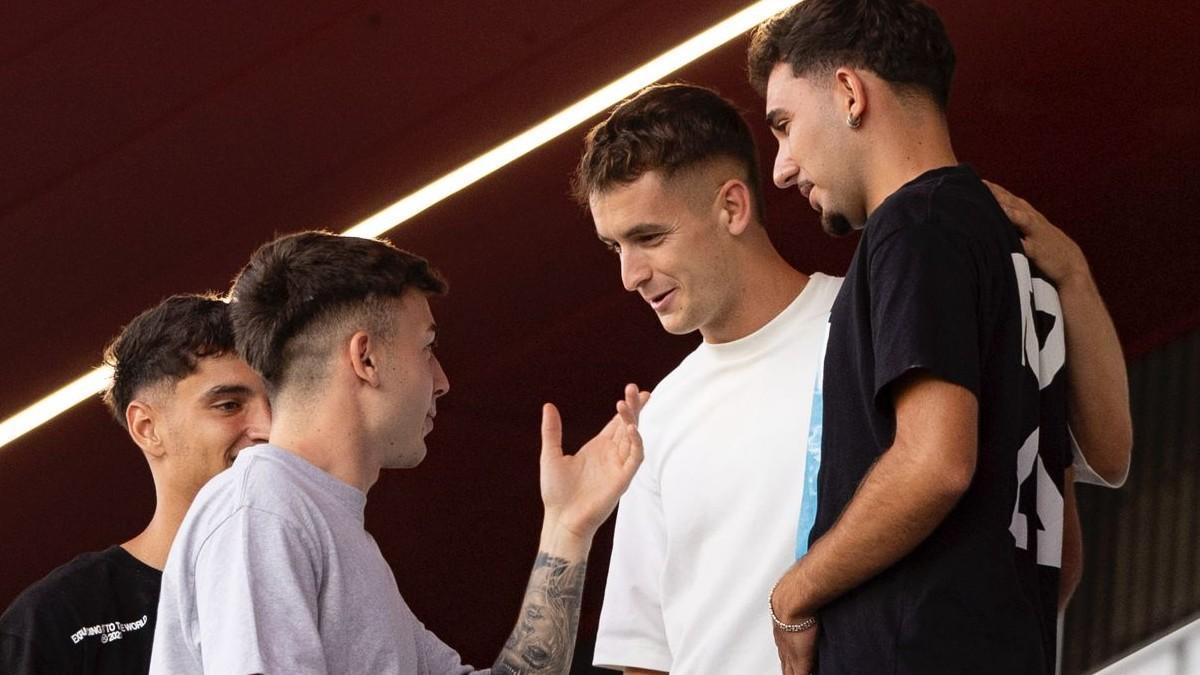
x: 259, y: 479
x: 950, y: 203
x: 676, y: 384
x: 57, y: 593
x: 824, y: 290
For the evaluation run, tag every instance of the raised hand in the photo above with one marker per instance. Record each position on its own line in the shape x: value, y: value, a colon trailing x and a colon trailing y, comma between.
x: 581, y: 490
x: 1054, y: 253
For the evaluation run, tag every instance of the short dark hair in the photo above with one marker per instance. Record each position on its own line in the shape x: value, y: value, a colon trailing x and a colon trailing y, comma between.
x: 901, y: 41
x: 164, y: 343
x: 667, y: 128
x: 299, y: 287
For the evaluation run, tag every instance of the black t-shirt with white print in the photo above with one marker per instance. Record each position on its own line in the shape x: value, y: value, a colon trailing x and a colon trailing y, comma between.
x: 94, y: 614
x: 940, y: 283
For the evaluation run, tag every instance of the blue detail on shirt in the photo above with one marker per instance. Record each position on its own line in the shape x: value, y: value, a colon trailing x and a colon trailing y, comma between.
x: 812, y: 461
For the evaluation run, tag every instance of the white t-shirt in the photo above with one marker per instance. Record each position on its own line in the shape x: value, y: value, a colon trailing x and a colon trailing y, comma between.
x: 272, y: 572
x: 710, y: 521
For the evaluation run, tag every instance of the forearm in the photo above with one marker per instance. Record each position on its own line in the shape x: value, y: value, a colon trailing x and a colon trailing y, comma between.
x: 1097, y: 382
x: 899, y: 503
x: 543, y: 640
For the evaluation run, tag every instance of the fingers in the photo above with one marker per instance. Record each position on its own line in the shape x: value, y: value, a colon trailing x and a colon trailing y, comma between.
x: 1004, y: 197
x: 997, y: 191
x: 625, y: 413
x: 636, y: 451
x: 630, y: 407
x: 551, y: 431
x: 1027, y: 221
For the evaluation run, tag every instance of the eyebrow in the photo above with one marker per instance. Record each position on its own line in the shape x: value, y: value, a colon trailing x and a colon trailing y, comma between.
x: 636, y: 230
x: 228, y: 390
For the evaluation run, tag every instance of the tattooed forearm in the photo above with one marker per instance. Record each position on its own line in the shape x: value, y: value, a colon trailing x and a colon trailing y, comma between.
x: 544, y: 638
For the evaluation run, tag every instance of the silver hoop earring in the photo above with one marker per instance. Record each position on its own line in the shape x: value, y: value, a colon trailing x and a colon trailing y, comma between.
x: 852, y: 121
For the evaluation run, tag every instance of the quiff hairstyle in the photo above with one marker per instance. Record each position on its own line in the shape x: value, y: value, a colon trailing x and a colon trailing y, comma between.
x: 302, y: 292
x: 666, y: 128
x: 901, y: 41
x: 163, y: 345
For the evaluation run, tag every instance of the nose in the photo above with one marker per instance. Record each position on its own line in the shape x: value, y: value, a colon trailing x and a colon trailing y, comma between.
x: 634, y: 270
x: 785, y: 170
x: 441, y: 383
x: 258, y: 422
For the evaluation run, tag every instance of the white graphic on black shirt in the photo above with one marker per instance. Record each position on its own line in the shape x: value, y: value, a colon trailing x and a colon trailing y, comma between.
x: 1045, y: 357
x: 108, y: 632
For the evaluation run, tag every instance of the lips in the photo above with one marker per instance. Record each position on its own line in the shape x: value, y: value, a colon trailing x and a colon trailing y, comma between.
x: 659, y: 302
x: 806, y: 189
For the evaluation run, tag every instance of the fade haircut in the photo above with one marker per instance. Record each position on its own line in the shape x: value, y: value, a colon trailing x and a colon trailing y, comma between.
x: 163, y: 345
x: 901, y: 41
x: 666, y: 128
x: 301, y: 293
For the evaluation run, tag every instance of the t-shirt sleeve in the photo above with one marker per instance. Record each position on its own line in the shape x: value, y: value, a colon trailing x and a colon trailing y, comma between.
x: 1084, y: 473
x: 21, y: 656
x: 925, y: 314
x: 631, y: 632
x: 34, y: 639
x: 257, y: 585
x: 438, y: 658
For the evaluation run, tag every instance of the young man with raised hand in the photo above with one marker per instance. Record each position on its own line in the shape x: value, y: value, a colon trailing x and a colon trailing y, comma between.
x: 938, y: 531
x: 273, y: 571
x: 191, y: 405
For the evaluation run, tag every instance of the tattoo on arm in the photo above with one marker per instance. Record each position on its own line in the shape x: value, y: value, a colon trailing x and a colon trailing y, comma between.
x: 544, y: 638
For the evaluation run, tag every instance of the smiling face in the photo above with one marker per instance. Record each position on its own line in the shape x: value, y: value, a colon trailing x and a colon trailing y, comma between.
x: 206, y: 419
x: 673, y: 248
x: 817, y: 154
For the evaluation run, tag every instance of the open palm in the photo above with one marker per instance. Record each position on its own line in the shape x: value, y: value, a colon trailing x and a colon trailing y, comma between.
x: 581, y: 490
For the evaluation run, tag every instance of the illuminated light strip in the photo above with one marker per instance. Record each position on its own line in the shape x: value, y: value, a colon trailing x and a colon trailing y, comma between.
x: 568, y: 118
x: 464, y: 176
x: 54, y: 405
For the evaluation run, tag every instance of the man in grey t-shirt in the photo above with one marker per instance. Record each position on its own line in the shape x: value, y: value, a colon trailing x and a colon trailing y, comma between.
x: 272, y: 570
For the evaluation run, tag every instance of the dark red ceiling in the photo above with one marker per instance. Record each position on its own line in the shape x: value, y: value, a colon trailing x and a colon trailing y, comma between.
x: 148, y: 147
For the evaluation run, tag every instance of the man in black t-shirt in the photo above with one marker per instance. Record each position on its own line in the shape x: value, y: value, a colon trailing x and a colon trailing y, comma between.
x: 191, y: 404
x: 938, y: 533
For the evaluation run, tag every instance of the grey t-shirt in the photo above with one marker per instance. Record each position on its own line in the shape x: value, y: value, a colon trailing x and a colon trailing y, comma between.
x: 272, y: 572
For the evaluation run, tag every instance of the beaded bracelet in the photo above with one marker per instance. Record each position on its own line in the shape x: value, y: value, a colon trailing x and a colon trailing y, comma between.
x: 787, y: 627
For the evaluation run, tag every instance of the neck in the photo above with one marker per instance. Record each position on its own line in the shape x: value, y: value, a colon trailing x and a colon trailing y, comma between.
x: 903, y: 152
x: 327, y: 434
x: 153, y: 543
x: 765, y: 285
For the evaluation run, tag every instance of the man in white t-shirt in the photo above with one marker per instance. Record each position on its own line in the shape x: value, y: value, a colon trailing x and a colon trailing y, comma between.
x: 710, y: 521
x: 726, y: 495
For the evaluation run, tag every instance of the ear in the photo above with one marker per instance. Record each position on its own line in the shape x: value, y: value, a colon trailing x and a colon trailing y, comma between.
x: 735, y: 203
x: 362, y: 349
x: 850, y: 93
x: 144, y: 423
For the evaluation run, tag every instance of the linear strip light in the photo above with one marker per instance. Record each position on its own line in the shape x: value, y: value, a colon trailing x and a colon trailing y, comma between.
x: 54, y: 405
x: 482, y: 166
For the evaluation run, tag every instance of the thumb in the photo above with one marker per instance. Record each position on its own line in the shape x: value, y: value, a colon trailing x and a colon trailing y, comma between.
x: 551, y: 432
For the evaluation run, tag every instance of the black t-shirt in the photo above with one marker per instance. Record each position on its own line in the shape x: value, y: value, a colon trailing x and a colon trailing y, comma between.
x: 940, y: 283
x: 94, y: 614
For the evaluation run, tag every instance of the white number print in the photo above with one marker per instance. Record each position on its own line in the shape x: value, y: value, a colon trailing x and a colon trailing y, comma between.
x: 1045, y: 360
